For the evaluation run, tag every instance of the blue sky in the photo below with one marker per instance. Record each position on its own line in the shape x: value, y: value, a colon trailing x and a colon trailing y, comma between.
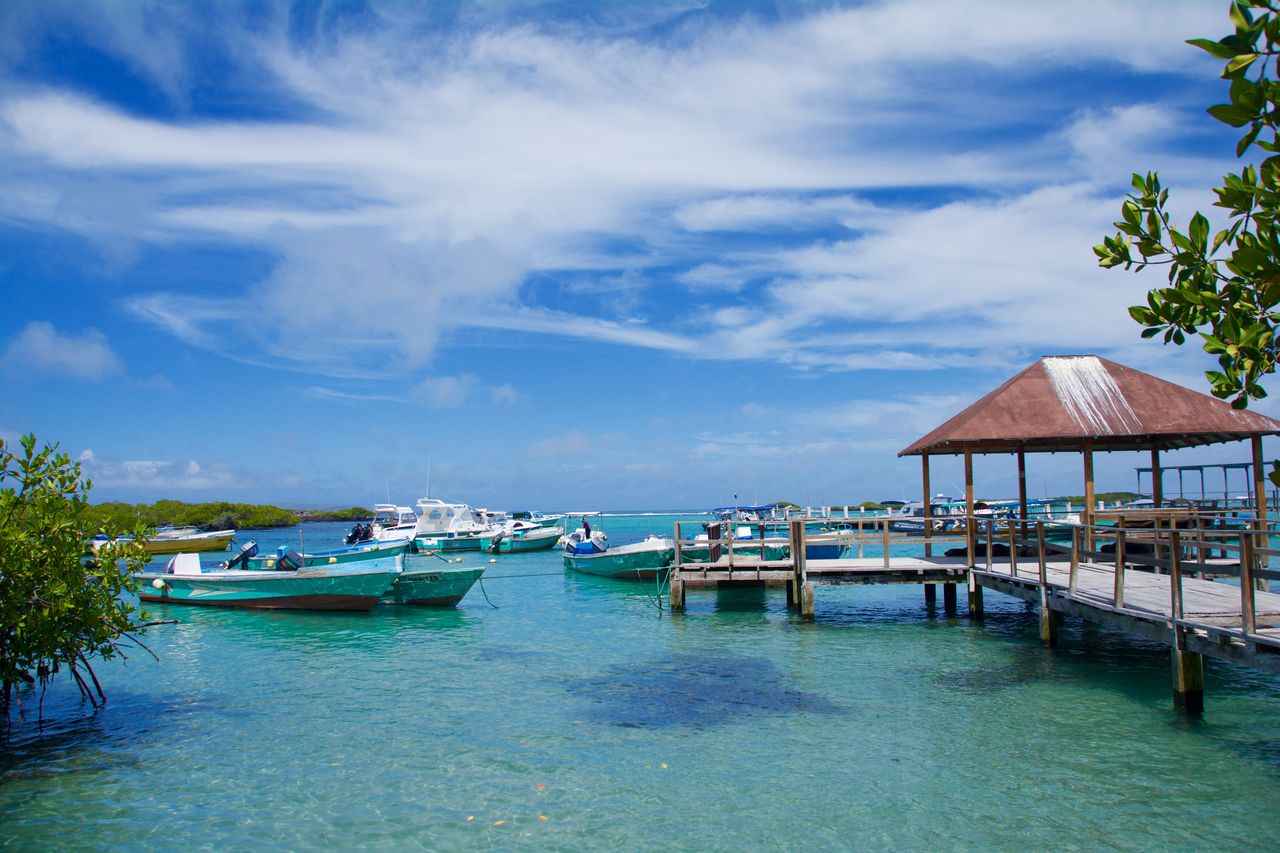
x: 570, y: 256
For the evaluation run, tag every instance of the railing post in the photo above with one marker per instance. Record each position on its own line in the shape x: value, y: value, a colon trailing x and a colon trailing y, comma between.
x: 1075, y: 561
x: 1013, y: 548
x: 1175, y: 589
x: 886, y: 545
x: 990, y: 541
x: 1119, y: 590
x: 1248, y: 623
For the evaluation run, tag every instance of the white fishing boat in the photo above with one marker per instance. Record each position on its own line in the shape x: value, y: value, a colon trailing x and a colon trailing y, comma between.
x: 444, y: 526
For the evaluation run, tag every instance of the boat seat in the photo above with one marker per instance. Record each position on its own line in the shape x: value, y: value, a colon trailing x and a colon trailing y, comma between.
x: 183, y: 564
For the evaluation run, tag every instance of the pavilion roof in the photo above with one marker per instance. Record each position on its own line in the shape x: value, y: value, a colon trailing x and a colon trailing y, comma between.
x: 1060, y: 402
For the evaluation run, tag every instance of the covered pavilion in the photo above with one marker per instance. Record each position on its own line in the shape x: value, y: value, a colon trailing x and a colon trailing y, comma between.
x: 1084, y: 404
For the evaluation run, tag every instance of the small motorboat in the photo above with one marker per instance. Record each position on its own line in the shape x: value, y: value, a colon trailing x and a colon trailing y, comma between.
x: 591, y: 553
x: 338, y: 579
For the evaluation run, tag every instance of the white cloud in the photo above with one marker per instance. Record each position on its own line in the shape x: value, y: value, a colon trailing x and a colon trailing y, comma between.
x: 417, y: 189
x: 505, y: 395
x: 41, y: 350
x: 157, y: 476
x: 445, y: 392
x: 574, y: 445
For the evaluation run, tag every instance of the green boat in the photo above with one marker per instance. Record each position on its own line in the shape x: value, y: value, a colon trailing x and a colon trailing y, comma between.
x: 344, y: 579
x: 519, y: 537
x: 448, y: 542
x: 643, y: 560
x: 441, y: 587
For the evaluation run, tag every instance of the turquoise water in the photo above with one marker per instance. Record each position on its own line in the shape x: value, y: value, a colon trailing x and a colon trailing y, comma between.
x: 735, y: 726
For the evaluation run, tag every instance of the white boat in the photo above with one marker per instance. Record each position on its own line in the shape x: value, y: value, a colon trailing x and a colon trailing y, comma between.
x: 389, y: 522
x: 444, y: 526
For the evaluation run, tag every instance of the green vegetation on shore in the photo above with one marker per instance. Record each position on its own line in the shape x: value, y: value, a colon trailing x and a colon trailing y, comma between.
x: 219, y: 515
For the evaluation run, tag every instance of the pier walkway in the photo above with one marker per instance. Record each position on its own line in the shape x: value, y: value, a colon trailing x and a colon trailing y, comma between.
x: 1155, y: 582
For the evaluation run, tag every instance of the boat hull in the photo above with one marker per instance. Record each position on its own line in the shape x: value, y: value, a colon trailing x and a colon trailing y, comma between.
x: 624, y: 562
x: 520, y: 544
x: 447, y: 544
x: 442, y: 588
x: 319, y: 589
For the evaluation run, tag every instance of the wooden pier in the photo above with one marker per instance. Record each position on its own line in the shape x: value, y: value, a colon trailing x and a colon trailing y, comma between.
x: 1155, y: 582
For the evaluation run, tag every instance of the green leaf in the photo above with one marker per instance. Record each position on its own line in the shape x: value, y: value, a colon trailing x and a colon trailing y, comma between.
x: 1239, y: 65
x: 1214, y: 48
x: 1231, y: 114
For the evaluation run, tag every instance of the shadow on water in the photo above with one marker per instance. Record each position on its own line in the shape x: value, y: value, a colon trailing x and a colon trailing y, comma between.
x: 693, y: 690
x: 74, y: 735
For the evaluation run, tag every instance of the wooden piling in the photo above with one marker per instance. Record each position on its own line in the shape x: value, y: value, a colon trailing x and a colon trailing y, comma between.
x: 1188, y: 667
x: 1188, y: 681
x: 676, y: 595
x: 806, y: 602
x: 949, y: 598
x: 975, y: 598
x: 931, y: 594
x: 1048, y: 618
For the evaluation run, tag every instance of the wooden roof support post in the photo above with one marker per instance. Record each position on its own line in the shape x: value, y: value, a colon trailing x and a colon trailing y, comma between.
x: 1157, y: 479
x: 928, y: 513
x: 1260, y: 503
x: 970, y: 528
x: 1089, y: 500
x: 1022, y: 493
x: 1259, y: 480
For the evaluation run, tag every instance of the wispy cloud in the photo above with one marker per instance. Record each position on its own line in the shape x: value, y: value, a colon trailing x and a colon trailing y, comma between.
x: 407, y: 193
x: 40, y: 350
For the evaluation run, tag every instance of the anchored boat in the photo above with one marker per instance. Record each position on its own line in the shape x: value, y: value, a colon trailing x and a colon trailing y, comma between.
x: 590, y: 553
x: 519, y: 536
x: 173, y: 540
x: 340, y: 579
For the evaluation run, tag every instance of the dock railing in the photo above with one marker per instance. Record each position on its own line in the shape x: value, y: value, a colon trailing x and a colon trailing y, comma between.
x: 1176, y: 544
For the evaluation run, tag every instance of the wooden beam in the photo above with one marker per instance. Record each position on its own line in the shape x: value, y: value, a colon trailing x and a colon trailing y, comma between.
x: 1157, y: 478
x: 1089, y: 500
x: 970, y: 526
x: 1022, y: 493
x: 1259, y: 482
x: 924, y: 476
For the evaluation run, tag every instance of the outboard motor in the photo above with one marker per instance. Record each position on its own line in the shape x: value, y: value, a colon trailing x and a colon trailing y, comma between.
x: 290, y: 561
x: 248, y: 551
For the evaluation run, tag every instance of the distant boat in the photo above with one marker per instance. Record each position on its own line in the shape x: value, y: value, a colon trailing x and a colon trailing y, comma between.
x: 389, y: 522
x: 448, y: 527
x: 591, y: 554
x: 743, y: 537
x: 173, y: 540
x: 339, y: 579
x: 518, y: 537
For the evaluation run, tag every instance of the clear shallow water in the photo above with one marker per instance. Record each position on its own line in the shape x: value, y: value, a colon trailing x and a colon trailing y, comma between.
x: 882, y: 726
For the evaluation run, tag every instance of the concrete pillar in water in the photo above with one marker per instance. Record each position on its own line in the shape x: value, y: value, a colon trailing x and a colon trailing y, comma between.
x: 1188, y: 682
x: 677, y: 596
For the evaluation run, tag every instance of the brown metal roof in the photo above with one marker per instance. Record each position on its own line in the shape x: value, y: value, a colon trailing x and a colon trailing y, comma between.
x: 1061, y: 401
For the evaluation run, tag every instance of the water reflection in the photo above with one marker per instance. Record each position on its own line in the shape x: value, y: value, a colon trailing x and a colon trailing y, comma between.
x: 693, y: 690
